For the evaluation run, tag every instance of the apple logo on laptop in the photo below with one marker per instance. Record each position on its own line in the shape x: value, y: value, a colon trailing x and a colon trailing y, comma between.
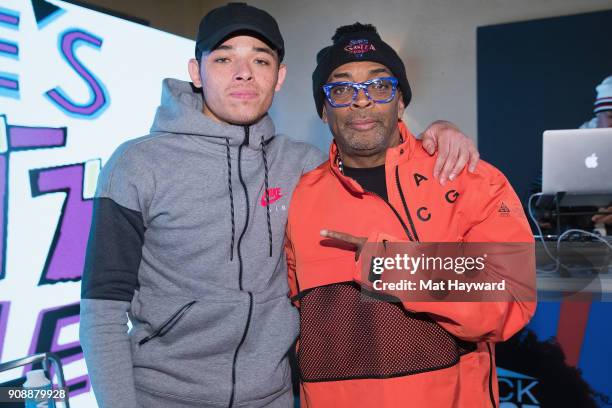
x: 591, y: 161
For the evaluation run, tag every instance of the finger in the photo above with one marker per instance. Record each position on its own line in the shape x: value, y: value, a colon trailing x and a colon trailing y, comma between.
x: 474, y: 158
x: 341, y: 236
x: 428, y: 144
x: 464, y: 155
x: 443, y: 151
x: 602, y: 219
x: 449, y: 163
x: 429, y: 141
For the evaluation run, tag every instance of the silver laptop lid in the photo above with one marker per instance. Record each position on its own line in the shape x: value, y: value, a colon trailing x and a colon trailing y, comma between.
x: 577, y: 161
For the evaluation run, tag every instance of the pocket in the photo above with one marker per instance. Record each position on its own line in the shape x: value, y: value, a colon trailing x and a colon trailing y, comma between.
x: 168, y: 324
x: 182, y: 347
x: 345, y: 336
x: 263, y: 356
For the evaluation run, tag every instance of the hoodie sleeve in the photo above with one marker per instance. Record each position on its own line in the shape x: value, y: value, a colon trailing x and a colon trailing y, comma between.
x: 313, y: 158
x: 110, y: 279
x: 486, y: 321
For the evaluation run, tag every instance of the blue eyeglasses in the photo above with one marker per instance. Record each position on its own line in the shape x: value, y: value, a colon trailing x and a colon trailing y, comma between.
x: 342, y: 94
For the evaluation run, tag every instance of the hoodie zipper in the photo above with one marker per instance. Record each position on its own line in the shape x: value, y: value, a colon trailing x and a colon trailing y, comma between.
x: 241, y: 266
x: 244, y: 334
x: 246, y: 197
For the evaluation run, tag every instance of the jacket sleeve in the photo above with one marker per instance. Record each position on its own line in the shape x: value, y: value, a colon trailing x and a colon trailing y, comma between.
x: 291, y: 271
x: 488, y: 321
x: 110, y: 279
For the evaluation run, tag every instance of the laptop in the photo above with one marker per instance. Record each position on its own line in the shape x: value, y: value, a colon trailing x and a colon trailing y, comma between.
x: 578, y: 162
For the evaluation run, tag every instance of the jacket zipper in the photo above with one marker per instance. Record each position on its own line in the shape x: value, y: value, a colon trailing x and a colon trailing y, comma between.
x: 240, y: 266
x: 166, y: 326
x: 399, y: 218
x: 399, y: 187
x: 411, y: 236
x: 491, y: 377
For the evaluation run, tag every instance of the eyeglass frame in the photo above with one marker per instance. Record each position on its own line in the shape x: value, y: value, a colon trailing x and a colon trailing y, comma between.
x: 356, y: 87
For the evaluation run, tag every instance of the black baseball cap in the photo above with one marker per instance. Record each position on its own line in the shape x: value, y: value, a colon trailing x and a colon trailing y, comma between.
x: 220, y: 23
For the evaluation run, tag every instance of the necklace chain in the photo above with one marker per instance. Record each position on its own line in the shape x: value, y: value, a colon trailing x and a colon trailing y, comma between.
x: 341, y: 164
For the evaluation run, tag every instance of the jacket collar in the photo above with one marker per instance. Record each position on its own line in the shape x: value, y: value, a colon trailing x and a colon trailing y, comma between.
x: 395, y: 155
x: 180, y: 112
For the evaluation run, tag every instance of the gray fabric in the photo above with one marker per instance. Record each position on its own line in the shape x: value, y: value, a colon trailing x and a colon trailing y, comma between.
x: 177, y: 178
x: 103, y: 328
x: 282, y: 399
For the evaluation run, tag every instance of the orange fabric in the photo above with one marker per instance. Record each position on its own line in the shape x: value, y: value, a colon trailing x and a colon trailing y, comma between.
x: 464, y: 210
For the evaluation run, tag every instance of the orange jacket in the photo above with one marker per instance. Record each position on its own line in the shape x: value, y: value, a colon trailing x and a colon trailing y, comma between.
x: 355, y: 353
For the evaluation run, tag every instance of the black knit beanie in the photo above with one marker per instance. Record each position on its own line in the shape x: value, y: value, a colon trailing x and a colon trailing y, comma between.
x: 356, y: 42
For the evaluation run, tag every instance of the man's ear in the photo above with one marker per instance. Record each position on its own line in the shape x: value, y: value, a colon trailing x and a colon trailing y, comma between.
x: 400, y: 104
x: 194, y: 72
x: 282, y: 74
x: 324, y: 113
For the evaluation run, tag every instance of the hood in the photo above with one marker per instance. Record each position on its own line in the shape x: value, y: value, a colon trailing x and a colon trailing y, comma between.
x: 181, y: 112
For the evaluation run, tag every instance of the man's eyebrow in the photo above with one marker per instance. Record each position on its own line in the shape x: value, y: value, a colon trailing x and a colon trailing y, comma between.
x: 264, y: 49
x: 224, y: 47
x: 379, y: 71
x: 341, y: 75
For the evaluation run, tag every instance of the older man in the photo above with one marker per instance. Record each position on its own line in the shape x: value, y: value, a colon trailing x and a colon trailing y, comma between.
x: 378, y: 183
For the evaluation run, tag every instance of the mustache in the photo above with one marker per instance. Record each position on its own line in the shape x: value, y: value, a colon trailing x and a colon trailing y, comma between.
x: 243, y: 88
x: 361, y: 117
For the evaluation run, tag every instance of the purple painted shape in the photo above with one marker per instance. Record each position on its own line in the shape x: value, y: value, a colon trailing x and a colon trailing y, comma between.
x: 36, y: 137
x: 66, y: 258
x: 69, y: 39
x: 8, y: 83
x: 9, y: 19
x: 9, y: 48
x: 3, y: 210
x: 22, y: 137
x: 56, y: 348
x: 37, y: 331
x: 36, y: 335
x: 4, y: 313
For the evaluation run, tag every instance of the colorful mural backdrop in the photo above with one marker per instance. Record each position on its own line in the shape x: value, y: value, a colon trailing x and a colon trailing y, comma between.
x: 74, y: 84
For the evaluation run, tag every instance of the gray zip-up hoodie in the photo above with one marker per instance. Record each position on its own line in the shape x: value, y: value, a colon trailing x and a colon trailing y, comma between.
x: 187, y: 238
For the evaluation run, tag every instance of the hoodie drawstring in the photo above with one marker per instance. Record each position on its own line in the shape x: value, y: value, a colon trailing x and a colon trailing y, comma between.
x: 231, y: 194
x: 263, y: 153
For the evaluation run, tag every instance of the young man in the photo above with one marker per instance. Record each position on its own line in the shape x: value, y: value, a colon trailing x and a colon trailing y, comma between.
x: 378, y: 183
x: 188, y: 233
